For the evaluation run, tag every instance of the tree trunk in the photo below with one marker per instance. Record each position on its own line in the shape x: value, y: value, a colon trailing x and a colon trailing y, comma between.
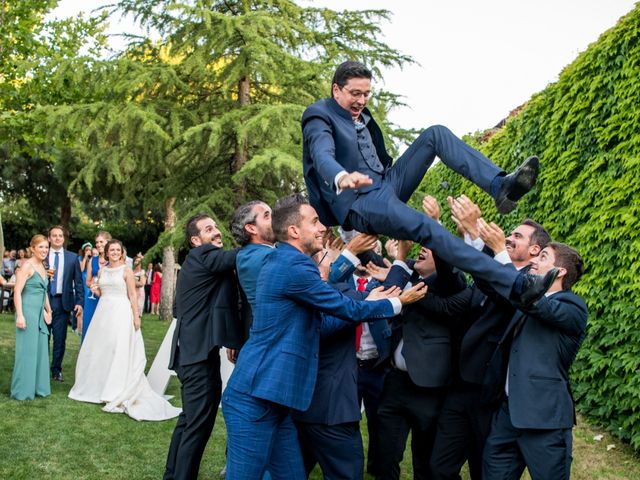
x: 241, y: 154
x: 1, y: 237
x: 168, y: 264
x: 65, y: 217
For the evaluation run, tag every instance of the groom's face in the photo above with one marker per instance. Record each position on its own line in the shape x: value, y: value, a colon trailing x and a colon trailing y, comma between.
x: 56, y: 238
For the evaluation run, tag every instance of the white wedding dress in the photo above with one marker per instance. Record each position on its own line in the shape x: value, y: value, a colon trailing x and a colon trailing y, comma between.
x: 111, y: 362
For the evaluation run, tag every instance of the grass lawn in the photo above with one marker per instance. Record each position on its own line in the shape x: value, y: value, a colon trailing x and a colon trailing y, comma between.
x: 57, y: 438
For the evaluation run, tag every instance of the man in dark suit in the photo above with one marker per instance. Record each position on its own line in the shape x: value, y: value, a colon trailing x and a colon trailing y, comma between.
x: 208, y: 318
x: 66, y: 293
x: 351, y: 181
x: 464, y: 423
x: 277, y: 367
x: 533, y: 425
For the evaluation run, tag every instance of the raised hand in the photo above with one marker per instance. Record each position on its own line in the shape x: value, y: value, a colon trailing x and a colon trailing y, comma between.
x: 431, y: 207
x: 391, y: 247
x: 379, y: 273
x: 465, y: 214
x: 492, y: 235
x: 379, y: 293
x: 413, y: 294
x: 361, y: 243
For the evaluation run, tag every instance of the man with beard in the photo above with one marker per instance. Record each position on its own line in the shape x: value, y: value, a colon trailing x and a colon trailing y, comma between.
x: 277, y: 369
x: 208, y: 318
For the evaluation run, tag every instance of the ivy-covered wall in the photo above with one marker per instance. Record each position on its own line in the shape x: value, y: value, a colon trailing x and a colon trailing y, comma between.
x: 586, y: 130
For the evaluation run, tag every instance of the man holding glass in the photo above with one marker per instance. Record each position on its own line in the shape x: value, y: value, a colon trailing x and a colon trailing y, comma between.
x: 66, y: 293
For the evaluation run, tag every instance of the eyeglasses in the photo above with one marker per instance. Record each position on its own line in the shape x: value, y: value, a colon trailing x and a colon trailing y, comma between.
x: 358, y: 93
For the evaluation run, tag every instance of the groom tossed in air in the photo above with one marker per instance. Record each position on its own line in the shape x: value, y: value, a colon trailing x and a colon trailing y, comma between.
x: 352, y: 182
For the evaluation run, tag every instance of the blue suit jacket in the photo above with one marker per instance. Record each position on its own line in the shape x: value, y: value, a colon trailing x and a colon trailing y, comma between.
x: 330, y: 146
x: 342, y: 271
x: 72, y: 284
x: 279, y: 362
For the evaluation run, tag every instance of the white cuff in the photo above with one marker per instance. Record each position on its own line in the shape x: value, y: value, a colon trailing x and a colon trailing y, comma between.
x: 336, y: 181
x: 502, y: 257
x: 351, y: 257
x: 397, y: 305
x: 478, y: 244
x: 401, y: 263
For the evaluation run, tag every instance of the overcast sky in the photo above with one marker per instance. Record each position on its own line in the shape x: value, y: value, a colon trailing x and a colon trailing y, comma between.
x: 476, y: 60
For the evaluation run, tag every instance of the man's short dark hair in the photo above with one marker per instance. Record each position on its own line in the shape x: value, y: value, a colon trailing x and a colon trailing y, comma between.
x: 539, y: 236
x: 243, y: 216
x: 285, y: 213
x: 569, y: 259
x: 348, y: 70
x: 191, y: 228
x: 57, y: 227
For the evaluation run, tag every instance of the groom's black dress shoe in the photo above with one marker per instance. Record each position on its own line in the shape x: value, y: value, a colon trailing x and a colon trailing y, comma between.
x: 516, y: 184
x: 58, y: 377
x: 530, y: 288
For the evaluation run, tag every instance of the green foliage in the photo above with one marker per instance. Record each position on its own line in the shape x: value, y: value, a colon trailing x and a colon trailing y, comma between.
x: 586, y: 130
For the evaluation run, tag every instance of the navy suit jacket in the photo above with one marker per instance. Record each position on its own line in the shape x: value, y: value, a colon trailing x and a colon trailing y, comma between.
x: 335, y: 398
x: 546, y: 341
x: 342, y: 271
x: 330, y: 146
x: 279, y: 362
x: 72, y: 284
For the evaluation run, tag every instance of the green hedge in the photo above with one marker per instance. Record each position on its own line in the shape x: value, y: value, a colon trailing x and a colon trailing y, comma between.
x: 586, y: 130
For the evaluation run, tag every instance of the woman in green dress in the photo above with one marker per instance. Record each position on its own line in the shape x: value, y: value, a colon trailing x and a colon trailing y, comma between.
x: 33, y: 314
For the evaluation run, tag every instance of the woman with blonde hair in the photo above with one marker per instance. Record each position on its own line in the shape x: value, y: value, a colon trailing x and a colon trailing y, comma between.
x: 33, y: 314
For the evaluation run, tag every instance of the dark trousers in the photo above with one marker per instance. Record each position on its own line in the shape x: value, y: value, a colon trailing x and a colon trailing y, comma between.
x: 463, y: 428
x: 337, y: 448
x: 261, y: 437
x: 405, y: 406
x: 546, y: 453
x: 384, y: 210
x: 370, y: 384
x: 201, y: 390
x: 58, y: 330
x: 147, y: 298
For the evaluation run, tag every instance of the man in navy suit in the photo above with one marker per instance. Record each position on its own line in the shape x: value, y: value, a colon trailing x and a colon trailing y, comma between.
x: 66, y: 293
x: 465, y: 420
x: 277, y: 367
x: 351, y: 181
x: 533, y: 425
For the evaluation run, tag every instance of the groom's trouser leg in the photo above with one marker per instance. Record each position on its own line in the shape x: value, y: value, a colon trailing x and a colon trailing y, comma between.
x: 58, y: 329
x: 380, y: 211
x: 201, y: 390
x: 407, y: 172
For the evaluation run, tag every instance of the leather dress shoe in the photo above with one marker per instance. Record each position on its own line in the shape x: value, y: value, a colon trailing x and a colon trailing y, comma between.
x: 516, y: 184
x: 58, y: 377
x: 531, y: 288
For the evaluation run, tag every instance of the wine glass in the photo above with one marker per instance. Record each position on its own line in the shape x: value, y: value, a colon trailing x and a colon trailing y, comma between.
x: 94, y: 283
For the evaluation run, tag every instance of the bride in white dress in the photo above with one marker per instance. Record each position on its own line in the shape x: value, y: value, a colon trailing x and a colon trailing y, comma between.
x: 111, y: 362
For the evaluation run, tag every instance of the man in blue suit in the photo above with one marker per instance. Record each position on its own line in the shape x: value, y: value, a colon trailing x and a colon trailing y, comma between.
x: 533, y: 425
x: 66, y: 293
x: 277, y: 368
x: 351, y: 181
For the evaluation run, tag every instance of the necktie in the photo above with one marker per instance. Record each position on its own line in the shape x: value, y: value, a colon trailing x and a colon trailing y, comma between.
x: 362, y: 286
x: 54, y: 280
